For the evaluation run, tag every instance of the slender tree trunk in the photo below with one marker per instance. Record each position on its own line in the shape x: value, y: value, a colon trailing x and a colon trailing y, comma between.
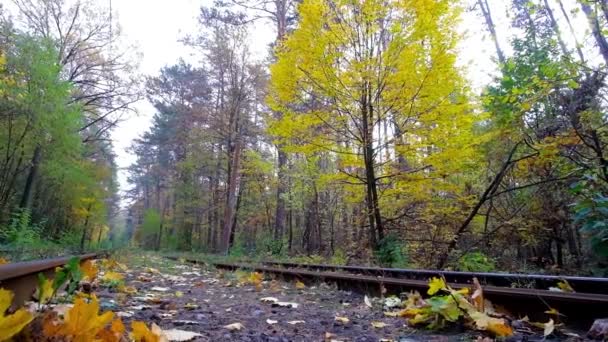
x: 279, y: 219
x: 567, y: 17
x: 26, y: 198
x: 487, y: 14
x: 596, y: 29
x: 85, y: 228
x: 231, y: 197
x: 555, y: 27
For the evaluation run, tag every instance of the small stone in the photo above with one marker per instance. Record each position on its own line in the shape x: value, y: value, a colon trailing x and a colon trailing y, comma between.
x: 599, y: 329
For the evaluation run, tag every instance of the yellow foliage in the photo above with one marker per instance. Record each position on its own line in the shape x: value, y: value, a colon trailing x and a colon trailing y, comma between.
x: 11, y: 324
x: 82, y: 322
x: 4, y: 261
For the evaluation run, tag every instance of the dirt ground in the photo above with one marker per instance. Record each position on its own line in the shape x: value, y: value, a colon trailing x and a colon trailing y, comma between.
x: 205, y: 300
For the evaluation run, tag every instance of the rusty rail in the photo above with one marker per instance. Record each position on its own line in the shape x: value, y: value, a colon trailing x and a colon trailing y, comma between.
x: 22, y: 277
x: 538, y: 281
x: 578, y: 307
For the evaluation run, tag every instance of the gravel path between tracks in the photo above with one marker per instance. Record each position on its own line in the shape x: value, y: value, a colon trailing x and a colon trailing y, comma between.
x: 195, y: 298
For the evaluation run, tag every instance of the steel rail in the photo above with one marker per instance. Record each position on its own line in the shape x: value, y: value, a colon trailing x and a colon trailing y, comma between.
x: 539, y: 281
x: 22, y: 277
x: 577, y: 307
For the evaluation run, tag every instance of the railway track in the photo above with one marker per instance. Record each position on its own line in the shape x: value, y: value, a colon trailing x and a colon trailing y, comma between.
x: 580, y: 307
x: 22, y: 277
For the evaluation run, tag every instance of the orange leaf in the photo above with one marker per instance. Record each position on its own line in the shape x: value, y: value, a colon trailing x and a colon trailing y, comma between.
x: 89, y: 270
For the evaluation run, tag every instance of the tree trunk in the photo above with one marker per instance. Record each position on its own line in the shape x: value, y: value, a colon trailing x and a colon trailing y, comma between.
x: 279, y: 219
x: 487, y: 14
x: 26, y: 198
x: 567, y: 17
x: 555, y: 27
x: 231, y: 197
x: 596, y: 29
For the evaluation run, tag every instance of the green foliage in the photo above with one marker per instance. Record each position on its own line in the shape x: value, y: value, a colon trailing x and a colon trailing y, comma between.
x: 150, y: 228
x: 69, y: 274
x: 591, y: 214
x: 476, y: 262
x: 339, y: 258
x: 391, y: 252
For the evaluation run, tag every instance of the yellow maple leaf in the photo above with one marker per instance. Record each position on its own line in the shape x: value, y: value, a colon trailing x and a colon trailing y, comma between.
x: 435, y: 285
x: 45, y: 290
x: 255, y: 278
x: 497, y: 326
x: 12, y: 324
x: 113, y: 333
x: 89, y: 270
x: 141, y: 333
x: 300, y: 285
x: 82, y: 322
x: 565, y: 286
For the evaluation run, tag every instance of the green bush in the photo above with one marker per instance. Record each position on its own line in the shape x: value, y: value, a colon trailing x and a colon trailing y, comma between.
x: 476, y: 262
x: 391, y: 253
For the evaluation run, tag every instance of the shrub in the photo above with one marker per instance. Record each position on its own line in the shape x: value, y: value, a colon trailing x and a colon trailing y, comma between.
x: 476, y: 262
x: 391, y: 253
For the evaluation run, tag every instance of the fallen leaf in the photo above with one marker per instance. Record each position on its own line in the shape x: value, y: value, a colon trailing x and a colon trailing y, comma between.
x: 497, y: 326
x: 190, y: 306
x: 11, y: 324
x: 4, y: 261
x: 549, y: 328
x: 180, y: 335
x: 288, y: 304
x: 269, y: 300
x: 478, y: 301
x: 564, y: 285
x: 112, y: 276
x: 300, y: 285
x: 554, y: 312
x: 392, y: 302
x: 141, y: 333
x: 127, y: 289
x: 234, y: 326
x: 82, y: 322
x: 379, y: 325
x: 342, y: 319
x: 436, y: 285
x: 89, y: 270
x: 45, y: 289
x: 179, y: 294
x: 367, y: 301
x: 159, y: 289
x: 271, y: 321
x: 296, y: 322
x: 152, y: 270
x: 392, y: 314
